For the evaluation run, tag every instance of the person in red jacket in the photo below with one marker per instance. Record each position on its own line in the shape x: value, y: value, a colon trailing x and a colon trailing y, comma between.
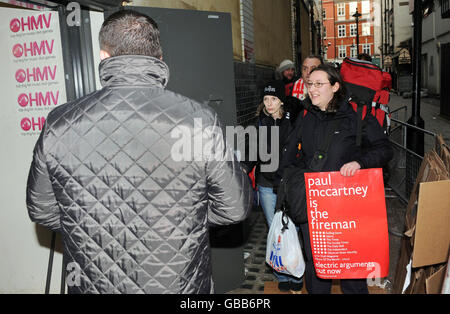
x: 300, y: 90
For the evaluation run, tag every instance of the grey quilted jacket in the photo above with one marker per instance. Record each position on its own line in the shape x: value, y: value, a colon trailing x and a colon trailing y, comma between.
x: 133, y: 214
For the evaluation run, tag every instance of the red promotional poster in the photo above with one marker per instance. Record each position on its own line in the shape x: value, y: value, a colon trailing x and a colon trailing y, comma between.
x: 348, y: 224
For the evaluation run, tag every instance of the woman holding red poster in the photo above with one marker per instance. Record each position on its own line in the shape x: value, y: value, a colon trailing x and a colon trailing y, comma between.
x: 328, y: 105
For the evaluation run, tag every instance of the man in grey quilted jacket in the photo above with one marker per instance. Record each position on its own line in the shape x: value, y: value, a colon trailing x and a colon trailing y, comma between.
x: 133, y: 215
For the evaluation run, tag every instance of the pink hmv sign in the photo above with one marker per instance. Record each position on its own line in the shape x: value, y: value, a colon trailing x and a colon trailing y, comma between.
x: 33, y: 71
x: 32, y: 83
x: 348, y: 224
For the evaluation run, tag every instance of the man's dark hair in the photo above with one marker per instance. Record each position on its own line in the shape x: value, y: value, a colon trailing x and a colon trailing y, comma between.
x: 318, y: 57
x: 365, y: 57
x: 128, y: 32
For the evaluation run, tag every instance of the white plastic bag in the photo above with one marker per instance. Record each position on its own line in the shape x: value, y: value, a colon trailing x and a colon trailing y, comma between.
x: 283, y: 251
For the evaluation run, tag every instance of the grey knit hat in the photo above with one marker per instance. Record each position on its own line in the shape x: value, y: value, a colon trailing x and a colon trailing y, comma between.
x: 286, y: 64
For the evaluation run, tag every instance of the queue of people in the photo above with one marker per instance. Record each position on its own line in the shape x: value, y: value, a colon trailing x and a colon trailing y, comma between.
x: 323, y: 101
x: 135, y: 221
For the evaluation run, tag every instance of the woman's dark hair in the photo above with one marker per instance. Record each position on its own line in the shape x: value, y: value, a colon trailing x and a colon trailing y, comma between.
x: 128, y: 32
x: 333, y: 77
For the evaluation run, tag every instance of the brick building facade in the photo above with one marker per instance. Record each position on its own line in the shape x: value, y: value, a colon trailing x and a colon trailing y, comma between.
x: 339, y: 29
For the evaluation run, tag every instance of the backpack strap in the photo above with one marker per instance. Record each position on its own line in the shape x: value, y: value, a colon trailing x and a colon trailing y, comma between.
x: 361, y: 112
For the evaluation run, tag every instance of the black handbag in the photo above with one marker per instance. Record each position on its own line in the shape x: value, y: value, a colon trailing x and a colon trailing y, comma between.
x: 291, y: 195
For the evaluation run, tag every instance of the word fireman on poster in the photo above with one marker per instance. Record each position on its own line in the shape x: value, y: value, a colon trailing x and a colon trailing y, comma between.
x: 348, y: 224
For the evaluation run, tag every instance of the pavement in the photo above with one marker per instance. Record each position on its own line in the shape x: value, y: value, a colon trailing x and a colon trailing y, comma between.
x: 259, y: 278
x: 430, y: 113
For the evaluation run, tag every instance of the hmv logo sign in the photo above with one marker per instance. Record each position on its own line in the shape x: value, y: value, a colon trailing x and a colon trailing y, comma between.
x: 33, y: 48
x: 38, y: 99
x: 36, y: 74
x: 31, y: 23
x: 32, y: 123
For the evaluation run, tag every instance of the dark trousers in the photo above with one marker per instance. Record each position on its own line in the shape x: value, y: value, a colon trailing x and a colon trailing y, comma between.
x: 315, y: 285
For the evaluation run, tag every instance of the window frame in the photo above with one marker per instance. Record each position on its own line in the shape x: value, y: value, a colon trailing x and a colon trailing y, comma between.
x: 353, y: 30
x: 342, y: 51
x: 341, y: 9
x: 343, y: 29
x: 365, y: 5
x: 366, y: 29
x: 366, y: 48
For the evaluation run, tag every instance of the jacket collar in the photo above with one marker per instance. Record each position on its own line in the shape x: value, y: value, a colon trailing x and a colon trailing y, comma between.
x: 343, y: 109
x: 265, y: 116
x: 133, y: 70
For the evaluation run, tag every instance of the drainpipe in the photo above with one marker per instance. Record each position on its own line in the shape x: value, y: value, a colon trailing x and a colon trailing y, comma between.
x: 415, y: 140
x: 298, y: 33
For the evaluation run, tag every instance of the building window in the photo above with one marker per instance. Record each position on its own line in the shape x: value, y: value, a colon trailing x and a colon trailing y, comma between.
x: 352, y: 6
x: 341, y: 31
x: 324, y: 14
x: 353, y: 52
x: 324, y: 32
x: 366, y: 49
x: 352, y: 29
x: 342, y: 52
x: 365, y: 29
x: 341, y: 9
x: 365, y: 7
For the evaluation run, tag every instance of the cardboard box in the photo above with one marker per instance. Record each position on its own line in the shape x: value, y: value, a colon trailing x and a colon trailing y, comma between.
x: 432, y: 230
x: 443, y: 150
x: 427, y: 222
x: 434, y: 282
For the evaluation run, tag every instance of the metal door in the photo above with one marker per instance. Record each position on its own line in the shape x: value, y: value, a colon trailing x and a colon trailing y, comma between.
x: 198, y: 48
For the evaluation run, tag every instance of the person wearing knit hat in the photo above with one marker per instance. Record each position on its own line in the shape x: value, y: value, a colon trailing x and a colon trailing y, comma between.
x: 273, y: 113
x: 275, y: 88
x: 286, y: 73
x: 286, y: 65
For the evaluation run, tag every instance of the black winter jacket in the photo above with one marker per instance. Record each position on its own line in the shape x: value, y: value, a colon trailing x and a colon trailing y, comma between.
x: 375, y: 150
x: 286, y: 127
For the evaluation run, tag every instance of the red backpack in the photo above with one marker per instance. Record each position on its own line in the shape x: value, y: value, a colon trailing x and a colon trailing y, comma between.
x: 368, y: 85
